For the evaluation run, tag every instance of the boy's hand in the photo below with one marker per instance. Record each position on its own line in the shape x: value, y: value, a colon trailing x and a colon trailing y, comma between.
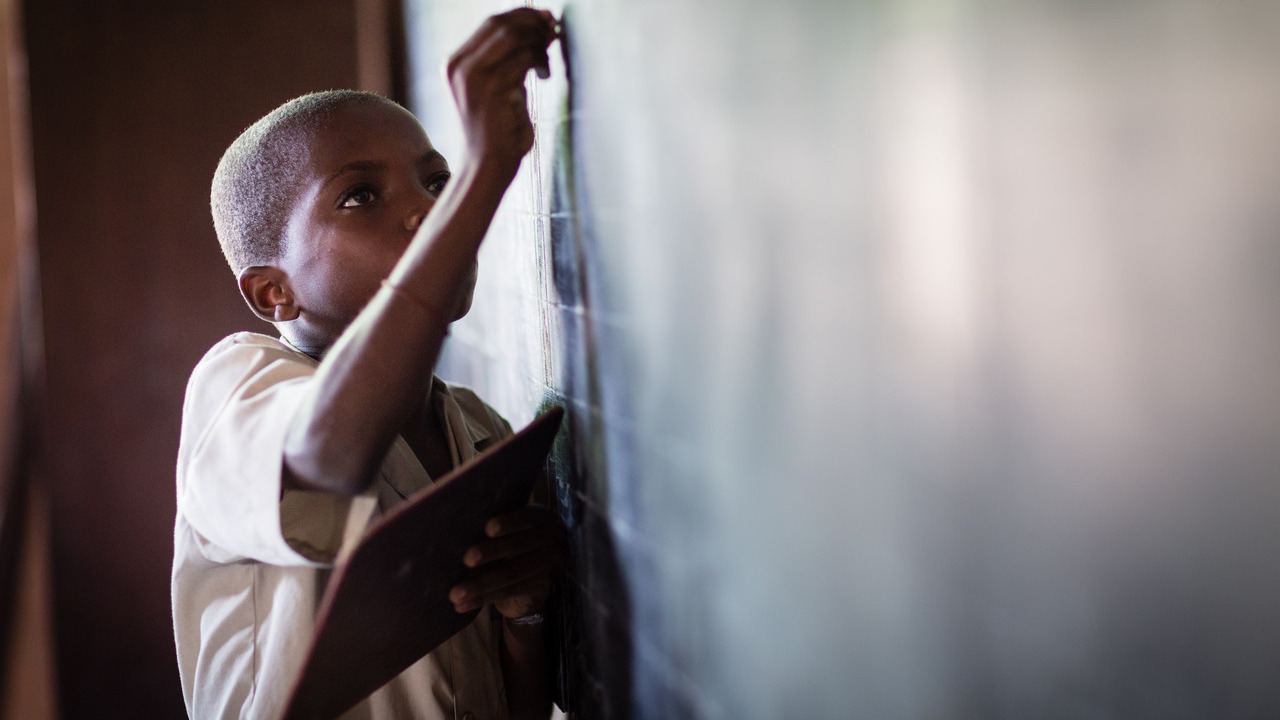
x: 513, y: 567
x: 487, y: 77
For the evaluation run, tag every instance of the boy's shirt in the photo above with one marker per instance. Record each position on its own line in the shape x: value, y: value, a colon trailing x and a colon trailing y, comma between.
x: 251, y: 561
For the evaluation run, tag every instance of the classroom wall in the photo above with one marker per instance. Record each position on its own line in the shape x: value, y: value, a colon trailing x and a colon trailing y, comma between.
x: 921, y: 356
x: 27, y: 688
x: 132, y: 104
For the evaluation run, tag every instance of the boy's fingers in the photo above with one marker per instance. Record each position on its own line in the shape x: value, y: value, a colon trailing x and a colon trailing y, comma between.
x: 495, y: 23
x: 517, y: 520
x: 536, y: 587
x: 500, y: 78
x: 533, y: 587
x: 502, y: 41
x: 514, y: 69
x: 528, y: 529
x: 510, y: 546
x: 498, y: 579
x: 543, y: 20
x: 523, y: 518
x: 507, y: 51
x: 533, y: 592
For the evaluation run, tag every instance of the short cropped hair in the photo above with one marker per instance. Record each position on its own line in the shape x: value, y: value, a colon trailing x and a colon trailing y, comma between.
x: 256, y: 183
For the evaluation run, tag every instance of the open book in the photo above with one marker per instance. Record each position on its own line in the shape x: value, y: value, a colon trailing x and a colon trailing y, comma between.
x: 387, y: 605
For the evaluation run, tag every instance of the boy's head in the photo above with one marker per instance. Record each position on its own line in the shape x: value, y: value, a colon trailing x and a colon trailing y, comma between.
x: 315, y: 203
x: 256, y: 182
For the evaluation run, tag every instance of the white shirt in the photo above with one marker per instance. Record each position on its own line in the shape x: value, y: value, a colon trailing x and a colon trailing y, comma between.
x: 250, y: 563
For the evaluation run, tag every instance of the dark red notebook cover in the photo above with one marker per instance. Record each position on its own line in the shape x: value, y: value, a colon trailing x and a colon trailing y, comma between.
x: 387, y: 605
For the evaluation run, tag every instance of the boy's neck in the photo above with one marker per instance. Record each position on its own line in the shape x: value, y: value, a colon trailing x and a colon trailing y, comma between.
x: 423, y: 430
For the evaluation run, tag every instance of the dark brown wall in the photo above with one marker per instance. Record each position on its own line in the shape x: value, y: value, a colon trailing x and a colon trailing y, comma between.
x: 132, y: 104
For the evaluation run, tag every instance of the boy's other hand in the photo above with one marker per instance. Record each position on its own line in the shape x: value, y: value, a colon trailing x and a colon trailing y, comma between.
x: 513, y: 568
x: 487, y: 77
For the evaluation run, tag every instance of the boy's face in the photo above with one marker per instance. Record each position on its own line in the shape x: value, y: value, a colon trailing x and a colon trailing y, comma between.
x: 371, y: 177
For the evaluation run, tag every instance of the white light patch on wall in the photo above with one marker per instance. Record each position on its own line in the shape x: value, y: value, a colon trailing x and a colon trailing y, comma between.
x: 931, y: 262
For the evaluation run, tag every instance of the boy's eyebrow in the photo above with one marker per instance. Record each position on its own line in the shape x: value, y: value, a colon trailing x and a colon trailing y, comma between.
x: 365, y: 165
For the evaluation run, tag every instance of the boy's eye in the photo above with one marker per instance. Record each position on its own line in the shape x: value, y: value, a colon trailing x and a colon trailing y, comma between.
x: 362, y: 195
x: 436, y: 185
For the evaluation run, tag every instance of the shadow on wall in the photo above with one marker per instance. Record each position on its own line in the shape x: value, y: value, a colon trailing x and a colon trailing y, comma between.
x: 594, y: 675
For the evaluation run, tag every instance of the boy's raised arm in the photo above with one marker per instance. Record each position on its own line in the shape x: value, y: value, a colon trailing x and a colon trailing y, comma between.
x: 374, y: 376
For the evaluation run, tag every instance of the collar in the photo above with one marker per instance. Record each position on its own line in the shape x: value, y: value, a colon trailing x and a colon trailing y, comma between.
x: 300, y: 351
x: 454, y: 407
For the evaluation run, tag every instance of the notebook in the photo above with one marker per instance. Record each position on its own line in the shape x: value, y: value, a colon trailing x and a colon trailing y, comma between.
x: 386, y: 605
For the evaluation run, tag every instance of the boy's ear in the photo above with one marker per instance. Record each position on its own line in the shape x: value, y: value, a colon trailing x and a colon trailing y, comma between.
x: 267, y: 291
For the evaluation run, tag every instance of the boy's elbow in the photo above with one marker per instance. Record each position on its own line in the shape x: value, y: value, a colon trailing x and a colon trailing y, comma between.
x: 314, y: 465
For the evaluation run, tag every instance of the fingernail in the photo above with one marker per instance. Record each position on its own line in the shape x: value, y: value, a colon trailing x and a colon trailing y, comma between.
x: 492, y: 529
x: 543, y: 71
x: 457, y: 595
x: 472, y: 558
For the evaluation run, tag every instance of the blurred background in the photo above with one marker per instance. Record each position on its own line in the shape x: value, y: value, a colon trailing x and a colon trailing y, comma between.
x: 921, y: 356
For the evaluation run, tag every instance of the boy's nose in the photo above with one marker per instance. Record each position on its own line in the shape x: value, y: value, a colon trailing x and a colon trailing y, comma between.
x: 414, y: 219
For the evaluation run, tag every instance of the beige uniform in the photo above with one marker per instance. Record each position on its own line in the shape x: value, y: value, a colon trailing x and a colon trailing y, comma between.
x: 250, y: 563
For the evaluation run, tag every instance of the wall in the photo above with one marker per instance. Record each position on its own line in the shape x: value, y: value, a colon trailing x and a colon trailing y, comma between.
x: 132, y: 105
x: 920, y: 355
x: 27, y: 688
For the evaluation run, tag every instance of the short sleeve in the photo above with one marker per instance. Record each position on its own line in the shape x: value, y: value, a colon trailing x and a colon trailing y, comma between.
x: 240, y: 402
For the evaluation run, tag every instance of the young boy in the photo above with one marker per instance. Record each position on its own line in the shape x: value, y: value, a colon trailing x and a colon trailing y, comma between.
x: 347, y: 231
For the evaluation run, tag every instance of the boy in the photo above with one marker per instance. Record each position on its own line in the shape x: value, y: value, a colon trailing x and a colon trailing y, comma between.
x: 347, y: 231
